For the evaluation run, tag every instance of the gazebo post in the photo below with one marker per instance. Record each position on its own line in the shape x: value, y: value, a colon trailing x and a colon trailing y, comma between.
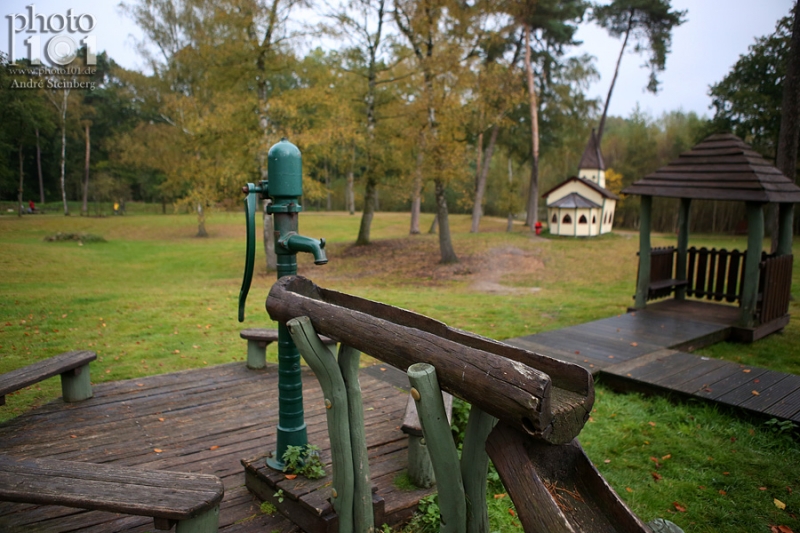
x: 644, y: 251
x: 683, y: 245
x: 785, y: 222
x: 755, y: 244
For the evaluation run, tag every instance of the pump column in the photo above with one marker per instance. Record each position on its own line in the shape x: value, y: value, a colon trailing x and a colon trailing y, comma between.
x: 285, y: 188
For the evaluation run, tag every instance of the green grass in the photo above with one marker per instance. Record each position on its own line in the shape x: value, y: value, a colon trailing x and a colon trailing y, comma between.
x: 154, y: 299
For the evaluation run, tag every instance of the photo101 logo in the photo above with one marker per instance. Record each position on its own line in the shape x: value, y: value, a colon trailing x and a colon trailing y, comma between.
x: 72, y: 31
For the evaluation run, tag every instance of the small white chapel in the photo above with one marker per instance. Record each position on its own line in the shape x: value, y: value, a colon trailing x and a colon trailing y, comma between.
x: 581, y: 206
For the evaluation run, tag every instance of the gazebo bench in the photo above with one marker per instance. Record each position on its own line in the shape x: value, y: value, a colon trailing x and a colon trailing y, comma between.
x: 189, y: 500
x: 72, y: 366
x: 257, y: 341
x: 656, y: 286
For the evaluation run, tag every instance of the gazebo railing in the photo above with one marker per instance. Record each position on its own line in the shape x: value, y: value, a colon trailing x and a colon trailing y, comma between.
x: 774, y: 287
x: 715, y: 274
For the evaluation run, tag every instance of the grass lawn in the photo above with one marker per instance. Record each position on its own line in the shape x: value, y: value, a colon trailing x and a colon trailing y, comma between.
x: 154, y: 299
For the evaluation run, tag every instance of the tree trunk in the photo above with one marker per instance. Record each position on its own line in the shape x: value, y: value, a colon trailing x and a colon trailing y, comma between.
x: 416, y: 192
x: 269, y: 240
x: 614, y: 80
x: 39, y: 168
x: 510, y: 225
x: 64, y: 152
x: 329, y: 199
x: 87, y: 159
x: 21, y: 183
x: 445, y: 243
x: 786, y: 159
x: 201, y: 221
x: 369, y: 212
x: 477, y: 207
x: 350, y: 195
x: 533, y: 192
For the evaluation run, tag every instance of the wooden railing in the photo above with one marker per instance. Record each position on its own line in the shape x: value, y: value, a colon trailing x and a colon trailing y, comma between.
x: 524, y: 406
x: 774, y: 287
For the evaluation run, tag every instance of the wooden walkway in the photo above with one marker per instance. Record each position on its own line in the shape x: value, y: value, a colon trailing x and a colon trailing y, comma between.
x: 646, y: 351
x: 202, y: 421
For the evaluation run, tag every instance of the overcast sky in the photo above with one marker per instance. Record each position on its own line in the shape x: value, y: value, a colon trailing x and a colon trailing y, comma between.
x: 703, y: 49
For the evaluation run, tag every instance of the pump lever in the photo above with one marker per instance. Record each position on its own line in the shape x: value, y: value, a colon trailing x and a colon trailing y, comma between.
x: 252, y: 193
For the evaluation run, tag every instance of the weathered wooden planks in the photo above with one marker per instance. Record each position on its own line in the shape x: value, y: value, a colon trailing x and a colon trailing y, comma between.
x: 153, y: 493
x: 212, y: 418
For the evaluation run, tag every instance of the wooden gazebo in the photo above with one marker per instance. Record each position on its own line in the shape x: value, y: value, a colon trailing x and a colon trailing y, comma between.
x: 721, y: 167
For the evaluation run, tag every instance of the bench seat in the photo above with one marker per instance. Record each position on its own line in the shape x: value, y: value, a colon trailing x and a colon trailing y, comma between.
x: 667, y: 283
x: 189, y: 500
x: 72, y: 366
x: 257, y: 341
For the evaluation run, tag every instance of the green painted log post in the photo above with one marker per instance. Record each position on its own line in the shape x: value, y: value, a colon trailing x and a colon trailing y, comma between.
x: 76, y: 384
x: 436, y: 429
x: 755, y: 244
x: 785, y: 222
x: 683, y: 245
x: 474, y: 467
x: 643, y: 284
x: 323, y: 363
x: 207, y: 522
x: 363, y: 519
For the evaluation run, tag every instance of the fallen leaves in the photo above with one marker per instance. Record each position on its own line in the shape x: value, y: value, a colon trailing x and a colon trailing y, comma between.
x: 678, y: 507
x: 722, y: 492
x: 634, y: 344
x: 780, y: 529
x: 290, y: 476
x: 656, y: 476
x: 754, y: 392
x: 215, y: 447
x: 500, y: 496
x: 157, y: 450
x: 652, y: 424
x: 779, y: 504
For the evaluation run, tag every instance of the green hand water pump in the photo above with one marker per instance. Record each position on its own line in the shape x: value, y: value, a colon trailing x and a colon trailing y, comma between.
x: 284, y: 187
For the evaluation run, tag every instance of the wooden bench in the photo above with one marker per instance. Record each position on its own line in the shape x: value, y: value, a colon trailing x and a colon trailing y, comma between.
x: 189, y: 500
x: 257, y: 342
x: 420, y: 469
x: 72, y: 366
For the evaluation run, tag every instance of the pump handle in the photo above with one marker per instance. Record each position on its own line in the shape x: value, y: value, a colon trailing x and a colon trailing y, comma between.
x: 251, y: 192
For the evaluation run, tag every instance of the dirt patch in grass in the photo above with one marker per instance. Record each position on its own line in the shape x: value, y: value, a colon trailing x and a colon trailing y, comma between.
x: 496, y: 270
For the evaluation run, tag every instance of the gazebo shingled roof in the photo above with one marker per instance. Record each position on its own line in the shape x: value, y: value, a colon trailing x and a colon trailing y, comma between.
x: 721, y: 167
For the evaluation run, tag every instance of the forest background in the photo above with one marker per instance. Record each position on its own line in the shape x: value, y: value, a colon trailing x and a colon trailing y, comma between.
x: 425, y: 105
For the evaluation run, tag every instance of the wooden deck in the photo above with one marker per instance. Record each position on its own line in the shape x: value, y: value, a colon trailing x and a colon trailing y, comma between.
x: 646, y: 351
x: 202, y: 421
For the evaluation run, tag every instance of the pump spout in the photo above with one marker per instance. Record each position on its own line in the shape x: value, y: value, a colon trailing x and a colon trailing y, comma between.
x: 298, y: 243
